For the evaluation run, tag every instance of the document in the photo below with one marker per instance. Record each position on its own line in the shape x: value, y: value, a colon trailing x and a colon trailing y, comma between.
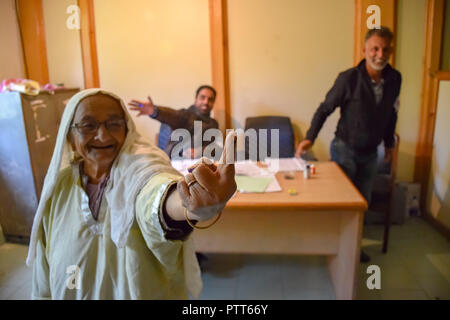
x: 250, y: 177
x: 249, y: 168
x: 274, y: 186
x: 247, y: 184
x: 285, y: 164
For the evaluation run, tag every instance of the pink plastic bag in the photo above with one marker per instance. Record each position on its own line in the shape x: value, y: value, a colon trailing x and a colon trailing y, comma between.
x: 26, y: 86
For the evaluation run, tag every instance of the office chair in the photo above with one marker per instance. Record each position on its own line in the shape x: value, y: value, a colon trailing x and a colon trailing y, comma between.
x: 383, y: 188
x: 287, y: 137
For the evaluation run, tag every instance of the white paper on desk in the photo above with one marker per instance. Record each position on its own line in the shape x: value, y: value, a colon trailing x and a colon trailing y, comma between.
x: 274, y: 186
x: 285, y: 164
x: 248, y: 168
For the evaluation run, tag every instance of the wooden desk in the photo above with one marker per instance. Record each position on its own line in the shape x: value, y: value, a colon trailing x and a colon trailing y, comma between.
x: 324, y: 218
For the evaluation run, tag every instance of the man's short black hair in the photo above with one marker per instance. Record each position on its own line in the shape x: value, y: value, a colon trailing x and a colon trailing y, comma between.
x: 383, y: 32
x: 206, y: 87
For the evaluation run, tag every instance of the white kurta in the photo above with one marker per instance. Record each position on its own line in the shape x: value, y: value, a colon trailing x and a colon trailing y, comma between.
x: 74, y: 250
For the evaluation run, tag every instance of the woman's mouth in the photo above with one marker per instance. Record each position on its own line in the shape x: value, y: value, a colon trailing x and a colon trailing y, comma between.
x: 106, y: 147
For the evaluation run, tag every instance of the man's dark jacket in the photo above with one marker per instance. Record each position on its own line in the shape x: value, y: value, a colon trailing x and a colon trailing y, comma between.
x: 363, y: 123
x: 185, y: 118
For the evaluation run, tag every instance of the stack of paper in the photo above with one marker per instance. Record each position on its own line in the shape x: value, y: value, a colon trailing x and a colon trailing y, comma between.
x: 249, y: 168
x: 274, y: 186
x: 252, y: 178
x: 285, y: 164
x: 249, y: 176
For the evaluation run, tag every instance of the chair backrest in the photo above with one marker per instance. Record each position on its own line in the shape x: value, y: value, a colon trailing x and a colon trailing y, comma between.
x: 286, y: 132
x: 164, y: 136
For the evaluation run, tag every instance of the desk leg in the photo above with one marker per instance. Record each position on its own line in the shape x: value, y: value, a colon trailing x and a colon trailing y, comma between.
x: 344, y: 265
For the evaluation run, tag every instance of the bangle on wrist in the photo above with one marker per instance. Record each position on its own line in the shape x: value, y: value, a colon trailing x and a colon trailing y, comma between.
x: 200, y: 227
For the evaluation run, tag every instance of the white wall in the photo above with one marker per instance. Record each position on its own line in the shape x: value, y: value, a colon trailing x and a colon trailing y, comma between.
x: 153, y: 47
x: 284, y: 57
x: 63, y: 45
x: 409, y: 61
x: 11, y: 61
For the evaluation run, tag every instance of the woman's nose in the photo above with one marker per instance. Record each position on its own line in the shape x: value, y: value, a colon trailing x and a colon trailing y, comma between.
x: 102, y: 133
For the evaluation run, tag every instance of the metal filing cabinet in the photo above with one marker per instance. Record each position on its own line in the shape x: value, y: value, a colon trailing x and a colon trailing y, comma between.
x: 28, y: 130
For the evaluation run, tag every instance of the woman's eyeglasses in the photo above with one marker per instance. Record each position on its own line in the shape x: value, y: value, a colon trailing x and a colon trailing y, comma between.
x: 90, y: 127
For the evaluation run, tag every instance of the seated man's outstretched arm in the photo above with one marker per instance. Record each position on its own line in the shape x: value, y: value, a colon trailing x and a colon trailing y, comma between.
x: 167, y: 115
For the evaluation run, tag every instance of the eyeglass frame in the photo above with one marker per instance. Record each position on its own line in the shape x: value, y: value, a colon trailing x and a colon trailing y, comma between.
x: 98, y: 124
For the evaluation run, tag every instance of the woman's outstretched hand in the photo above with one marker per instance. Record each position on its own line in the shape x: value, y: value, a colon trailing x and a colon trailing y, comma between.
x: 206, y: 190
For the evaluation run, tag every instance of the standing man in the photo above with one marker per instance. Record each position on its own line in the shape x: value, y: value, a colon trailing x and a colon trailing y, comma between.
x: 183, y: 118
x: 368, y: 97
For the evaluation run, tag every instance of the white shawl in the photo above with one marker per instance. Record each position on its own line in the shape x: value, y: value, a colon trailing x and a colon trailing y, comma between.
x: 136, y: 163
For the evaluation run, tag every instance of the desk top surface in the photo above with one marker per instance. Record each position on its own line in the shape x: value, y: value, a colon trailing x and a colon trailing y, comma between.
x: 328, y: 189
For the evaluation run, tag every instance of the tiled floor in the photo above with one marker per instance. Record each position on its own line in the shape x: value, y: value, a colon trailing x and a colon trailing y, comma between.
x: 417, y: 266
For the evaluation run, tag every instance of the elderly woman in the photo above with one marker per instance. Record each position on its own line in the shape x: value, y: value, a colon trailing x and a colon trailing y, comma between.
x: 114, y: 217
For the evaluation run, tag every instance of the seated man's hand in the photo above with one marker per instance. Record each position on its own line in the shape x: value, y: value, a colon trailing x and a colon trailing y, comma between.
x: 145, y: 108
x: 303, y: 147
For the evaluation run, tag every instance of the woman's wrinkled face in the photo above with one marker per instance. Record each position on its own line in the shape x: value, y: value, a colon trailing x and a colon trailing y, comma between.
x: 98, y: 130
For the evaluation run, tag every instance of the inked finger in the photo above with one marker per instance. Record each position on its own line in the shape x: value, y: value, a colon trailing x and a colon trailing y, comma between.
x: 228, y: 148
x: 226, y: 163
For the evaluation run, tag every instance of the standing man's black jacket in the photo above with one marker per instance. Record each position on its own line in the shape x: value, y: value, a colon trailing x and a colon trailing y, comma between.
x: 363, y: 123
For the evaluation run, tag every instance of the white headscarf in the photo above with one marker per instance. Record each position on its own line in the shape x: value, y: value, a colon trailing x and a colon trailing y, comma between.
x: 136, y: 163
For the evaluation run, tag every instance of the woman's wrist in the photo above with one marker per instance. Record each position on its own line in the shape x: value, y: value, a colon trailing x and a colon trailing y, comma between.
x: 173, y: 205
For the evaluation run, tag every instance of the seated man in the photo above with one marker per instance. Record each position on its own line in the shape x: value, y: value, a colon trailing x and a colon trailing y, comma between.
x: 183, y: 118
